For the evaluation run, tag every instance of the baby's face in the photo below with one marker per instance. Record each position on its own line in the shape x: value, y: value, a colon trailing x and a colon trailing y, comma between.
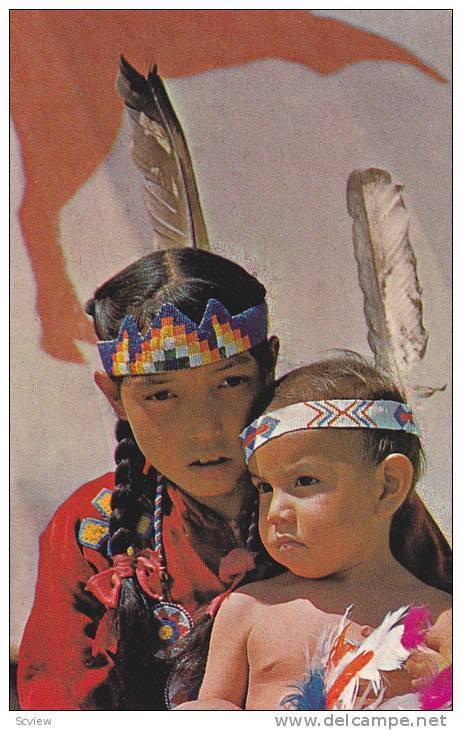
x: 317, y: 500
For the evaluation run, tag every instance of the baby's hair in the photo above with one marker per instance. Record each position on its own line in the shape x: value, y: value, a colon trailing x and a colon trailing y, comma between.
x: 345, y: 375
x: 187, y: 278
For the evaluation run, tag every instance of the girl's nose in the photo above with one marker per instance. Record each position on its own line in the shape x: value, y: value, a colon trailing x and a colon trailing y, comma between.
x: 206, y: 424
x: 281, y: 511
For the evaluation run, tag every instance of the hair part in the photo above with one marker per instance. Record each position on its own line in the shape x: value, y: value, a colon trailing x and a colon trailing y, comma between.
x: 185, y: 277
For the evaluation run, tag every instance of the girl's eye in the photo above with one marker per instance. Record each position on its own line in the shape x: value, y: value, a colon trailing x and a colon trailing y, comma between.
x: 161, y: 395
x: 263, y: 488
x: 306, y: 481
x: 233, y: 381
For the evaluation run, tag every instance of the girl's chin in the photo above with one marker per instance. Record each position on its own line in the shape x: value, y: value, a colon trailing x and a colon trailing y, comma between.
x: 208, y: 490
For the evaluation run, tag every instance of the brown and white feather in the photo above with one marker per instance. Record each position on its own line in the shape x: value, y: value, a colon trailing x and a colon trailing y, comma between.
x: 160, y: 152
x: 387, y: 271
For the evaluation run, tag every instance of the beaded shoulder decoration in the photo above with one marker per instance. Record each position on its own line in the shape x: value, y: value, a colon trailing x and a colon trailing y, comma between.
x: 94, y: 533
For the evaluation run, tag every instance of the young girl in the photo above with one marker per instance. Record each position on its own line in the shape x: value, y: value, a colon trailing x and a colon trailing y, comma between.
x: 133, y: 559
x: 333, y: 458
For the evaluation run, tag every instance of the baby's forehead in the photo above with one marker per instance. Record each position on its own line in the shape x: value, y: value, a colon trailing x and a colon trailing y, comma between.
x: 326, y: 444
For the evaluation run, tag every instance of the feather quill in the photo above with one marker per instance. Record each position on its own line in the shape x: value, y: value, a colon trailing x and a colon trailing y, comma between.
x: 160, y: 151
x: 387, y: 272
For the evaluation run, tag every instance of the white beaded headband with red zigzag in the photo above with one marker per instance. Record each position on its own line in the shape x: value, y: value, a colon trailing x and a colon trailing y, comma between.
x: 338, y: 413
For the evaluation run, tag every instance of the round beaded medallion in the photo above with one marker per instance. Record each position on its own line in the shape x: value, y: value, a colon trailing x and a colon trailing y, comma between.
x: 174, y: 622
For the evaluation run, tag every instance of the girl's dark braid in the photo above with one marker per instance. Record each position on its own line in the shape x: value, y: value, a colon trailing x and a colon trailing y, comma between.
x: 130, y: 498
x: 139, y: 676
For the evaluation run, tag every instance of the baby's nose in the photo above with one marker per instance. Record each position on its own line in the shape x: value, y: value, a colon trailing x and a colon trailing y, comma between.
x: 281, y: 511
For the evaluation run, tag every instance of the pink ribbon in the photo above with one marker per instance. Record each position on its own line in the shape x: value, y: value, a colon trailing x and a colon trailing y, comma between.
x: 106, y: 584
x: 233, y: 567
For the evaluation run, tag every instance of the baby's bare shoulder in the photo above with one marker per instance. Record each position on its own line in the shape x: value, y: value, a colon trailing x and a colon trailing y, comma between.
x: 437, y: 602
x: 270, y: 590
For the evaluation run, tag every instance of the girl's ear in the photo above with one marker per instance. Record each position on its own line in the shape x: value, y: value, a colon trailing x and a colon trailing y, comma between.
x: 395, y: 474
x: 111, y: 391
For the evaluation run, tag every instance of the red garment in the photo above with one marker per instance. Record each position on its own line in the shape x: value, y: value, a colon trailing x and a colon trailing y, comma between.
x: 58, y: 669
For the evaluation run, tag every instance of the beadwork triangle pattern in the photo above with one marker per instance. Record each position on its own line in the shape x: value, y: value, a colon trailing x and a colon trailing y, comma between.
x: 175, y: 342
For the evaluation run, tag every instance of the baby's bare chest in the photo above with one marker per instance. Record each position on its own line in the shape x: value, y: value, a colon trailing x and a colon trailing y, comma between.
x: 284, y: 638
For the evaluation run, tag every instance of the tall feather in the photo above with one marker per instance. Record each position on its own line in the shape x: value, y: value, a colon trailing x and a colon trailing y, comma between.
x: 387, y: 272
x: 160, y: 151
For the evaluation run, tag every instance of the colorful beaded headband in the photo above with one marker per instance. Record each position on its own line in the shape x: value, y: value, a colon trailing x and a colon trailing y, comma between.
x: 382, y: 414
x: 174, y: 341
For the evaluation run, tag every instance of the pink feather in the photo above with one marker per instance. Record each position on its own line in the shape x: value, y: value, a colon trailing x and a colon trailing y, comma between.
x: 437, y: 694
x: 416, y: 622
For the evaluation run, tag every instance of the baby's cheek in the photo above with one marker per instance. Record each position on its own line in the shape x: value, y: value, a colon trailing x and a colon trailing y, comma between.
x: 262, y: 529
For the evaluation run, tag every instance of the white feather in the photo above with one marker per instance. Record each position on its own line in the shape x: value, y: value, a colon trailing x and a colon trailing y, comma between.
x: 160, y: 151
x: 387, y: 271
x: 388, y: 654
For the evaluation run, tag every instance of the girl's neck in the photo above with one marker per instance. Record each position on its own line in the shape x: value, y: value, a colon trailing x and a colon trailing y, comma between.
x: 230, y: 505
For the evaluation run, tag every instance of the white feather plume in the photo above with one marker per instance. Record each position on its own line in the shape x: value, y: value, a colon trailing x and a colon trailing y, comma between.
x: 387, y: 271
x: 387, y: 654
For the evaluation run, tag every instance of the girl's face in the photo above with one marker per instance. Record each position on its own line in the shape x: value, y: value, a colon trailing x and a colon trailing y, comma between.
x: 317, y: 502
x: 187, y: 422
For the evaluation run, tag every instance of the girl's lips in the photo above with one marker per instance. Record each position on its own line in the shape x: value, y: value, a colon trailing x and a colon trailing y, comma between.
x: 210, y: 463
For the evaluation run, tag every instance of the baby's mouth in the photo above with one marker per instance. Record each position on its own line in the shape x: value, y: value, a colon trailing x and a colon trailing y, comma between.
x: 206, y: 463
x: 287, y: 543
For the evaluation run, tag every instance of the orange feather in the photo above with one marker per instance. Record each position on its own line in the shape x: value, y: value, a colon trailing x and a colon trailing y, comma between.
x: 345, y: 677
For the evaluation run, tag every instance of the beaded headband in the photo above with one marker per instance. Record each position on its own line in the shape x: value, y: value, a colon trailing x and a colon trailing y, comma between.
x: 174, y: 341
x: 381, y: 414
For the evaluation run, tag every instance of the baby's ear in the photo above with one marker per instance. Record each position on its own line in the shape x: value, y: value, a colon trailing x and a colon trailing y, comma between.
x: 395, y: 475
x: 112, y: 392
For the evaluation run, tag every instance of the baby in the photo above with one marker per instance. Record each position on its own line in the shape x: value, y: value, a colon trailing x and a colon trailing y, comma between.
x: 333, y: 458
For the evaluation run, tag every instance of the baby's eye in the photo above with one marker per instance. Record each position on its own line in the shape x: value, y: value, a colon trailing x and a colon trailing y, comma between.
x: 161, y: 395
x: 234, y: 380
x: 263, y: 488
x: 306, y: 481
